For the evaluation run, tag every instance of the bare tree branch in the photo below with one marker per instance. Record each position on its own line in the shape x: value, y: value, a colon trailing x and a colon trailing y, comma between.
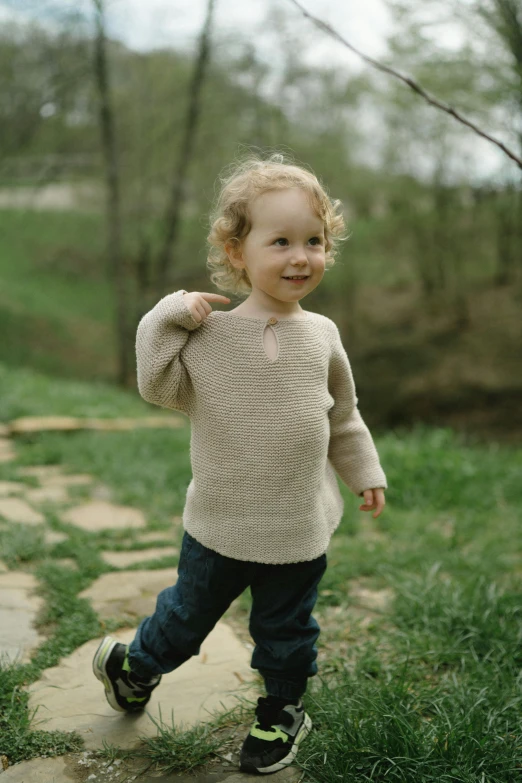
x: 411, y: 83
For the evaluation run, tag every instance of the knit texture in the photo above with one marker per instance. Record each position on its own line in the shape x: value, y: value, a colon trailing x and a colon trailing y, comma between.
x: 267, y: 435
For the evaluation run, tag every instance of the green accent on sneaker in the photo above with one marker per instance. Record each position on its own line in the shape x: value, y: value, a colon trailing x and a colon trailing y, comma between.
x: 268, y: 735
x: 133, y: 698
x: 126, y: 666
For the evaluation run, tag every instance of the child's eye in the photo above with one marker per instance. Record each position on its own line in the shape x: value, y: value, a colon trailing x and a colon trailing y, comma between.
x: 315, y: 240
x: 281, y: 239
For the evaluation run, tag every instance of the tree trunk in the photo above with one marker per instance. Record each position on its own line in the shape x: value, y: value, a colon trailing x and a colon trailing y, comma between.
x: 518, y: 213
x: 505, y: 200
x: 175, y: 204
x: 116, y: 266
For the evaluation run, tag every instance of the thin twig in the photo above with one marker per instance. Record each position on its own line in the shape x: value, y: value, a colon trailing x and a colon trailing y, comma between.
x: 411, y: 83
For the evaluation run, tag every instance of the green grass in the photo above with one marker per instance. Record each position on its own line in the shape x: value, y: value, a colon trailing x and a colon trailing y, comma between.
x: 27, y: 392
x: 68, y: 622
x: 17, y: 741
x: 395, y: 727
x: 55, y: 302
x: 52, y: 264
x: 426, y: 688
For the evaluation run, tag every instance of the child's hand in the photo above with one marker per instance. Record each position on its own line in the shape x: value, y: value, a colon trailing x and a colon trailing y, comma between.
x: 374, y: 498
x: 198, y: 303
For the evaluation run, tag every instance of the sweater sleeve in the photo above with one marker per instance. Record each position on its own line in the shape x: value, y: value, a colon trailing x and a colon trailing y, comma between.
x: 351, y: 449
x: 162, y: 332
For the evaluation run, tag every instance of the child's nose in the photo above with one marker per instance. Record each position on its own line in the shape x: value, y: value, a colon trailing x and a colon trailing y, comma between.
x: 300, y: 253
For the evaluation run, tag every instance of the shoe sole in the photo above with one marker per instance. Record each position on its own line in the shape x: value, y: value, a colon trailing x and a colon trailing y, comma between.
x: 284, y: 762
x: 98, y: 666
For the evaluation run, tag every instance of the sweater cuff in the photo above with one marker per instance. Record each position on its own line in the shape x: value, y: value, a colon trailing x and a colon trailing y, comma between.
x: 174, y: 308
x: 361, y: 494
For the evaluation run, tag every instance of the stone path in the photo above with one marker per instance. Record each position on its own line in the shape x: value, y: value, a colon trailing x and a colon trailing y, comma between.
x: 18, y: 608
x: 67, y: 423
x: 68, y: 697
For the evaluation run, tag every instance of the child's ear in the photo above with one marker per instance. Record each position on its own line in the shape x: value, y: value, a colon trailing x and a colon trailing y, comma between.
x: 233, y: 251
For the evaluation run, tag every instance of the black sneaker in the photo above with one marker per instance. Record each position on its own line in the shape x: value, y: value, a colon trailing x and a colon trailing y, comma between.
x: 273, y: 741
x: 125, y: 691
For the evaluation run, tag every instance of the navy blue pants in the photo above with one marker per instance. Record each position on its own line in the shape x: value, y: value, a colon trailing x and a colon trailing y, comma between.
x: 281, y: 624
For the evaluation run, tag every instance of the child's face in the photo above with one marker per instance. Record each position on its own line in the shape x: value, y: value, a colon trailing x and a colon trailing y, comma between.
x: 286, y: 238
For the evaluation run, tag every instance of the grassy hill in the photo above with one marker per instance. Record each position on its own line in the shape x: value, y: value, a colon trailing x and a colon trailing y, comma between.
x: 411, y: 362
x: 55, y: 303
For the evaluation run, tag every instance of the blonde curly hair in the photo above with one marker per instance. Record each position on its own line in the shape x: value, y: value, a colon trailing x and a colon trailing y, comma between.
x: 230, y: 220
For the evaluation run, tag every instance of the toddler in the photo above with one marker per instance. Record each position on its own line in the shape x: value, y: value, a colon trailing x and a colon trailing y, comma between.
x: 270, y: 395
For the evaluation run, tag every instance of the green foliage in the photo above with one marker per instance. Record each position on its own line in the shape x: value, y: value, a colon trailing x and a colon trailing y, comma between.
x: 26, y: 392
x: 462, y: 624
x: 176, y: 750
x: 393, y: 727
x: 438, y: 467
x: 449, y: 235
x: 37, y: 66
x: 19, y: 545
x: 154, y: 474
x: 73, y: 623
x: 17, y: 742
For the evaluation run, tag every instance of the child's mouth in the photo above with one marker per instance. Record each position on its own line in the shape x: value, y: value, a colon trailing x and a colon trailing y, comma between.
x: 301, y: 280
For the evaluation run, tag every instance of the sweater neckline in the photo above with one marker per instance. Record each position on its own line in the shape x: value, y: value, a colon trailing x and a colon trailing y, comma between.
x: 263, y: 320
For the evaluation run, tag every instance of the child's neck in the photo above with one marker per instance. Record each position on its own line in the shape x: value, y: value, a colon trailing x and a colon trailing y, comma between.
x: 255, y: 310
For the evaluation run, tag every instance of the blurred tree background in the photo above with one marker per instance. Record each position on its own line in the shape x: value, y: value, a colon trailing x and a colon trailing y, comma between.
x: 108, y: 159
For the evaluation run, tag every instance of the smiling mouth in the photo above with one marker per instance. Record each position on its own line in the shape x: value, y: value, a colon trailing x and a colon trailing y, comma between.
x: 297, y: 279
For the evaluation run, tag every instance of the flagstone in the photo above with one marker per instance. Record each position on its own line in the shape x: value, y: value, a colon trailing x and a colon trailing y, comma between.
x: 66, y: 480
x: 68, y: 696
x: 371, y: 599
x: 38, y: 770
x: 101, y: 515
x: 47, y: 494
x: 128, y: 594
x: 40, y: 423
x: 52, y: 537
x: 70, y: 423
x: 18, y: 510
x: 123, y: 559
x: 87, y: 766
x: 11, y: 488
x: 155, y: 538
x: 7, y: 452
x: 18, y: 609
x: 123, y: 771
x: 40, y: 471
x: 287, y: 775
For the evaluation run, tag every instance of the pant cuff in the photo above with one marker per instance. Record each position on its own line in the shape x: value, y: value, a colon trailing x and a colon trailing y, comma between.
x: 285, y: 689
x: 138, y: 668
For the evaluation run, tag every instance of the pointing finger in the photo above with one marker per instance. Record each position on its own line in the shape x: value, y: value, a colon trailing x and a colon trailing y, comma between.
x: 211, y: 297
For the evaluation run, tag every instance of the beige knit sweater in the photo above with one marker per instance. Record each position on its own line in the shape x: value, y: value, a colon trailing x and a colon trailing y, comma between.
x: 266, y: 434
